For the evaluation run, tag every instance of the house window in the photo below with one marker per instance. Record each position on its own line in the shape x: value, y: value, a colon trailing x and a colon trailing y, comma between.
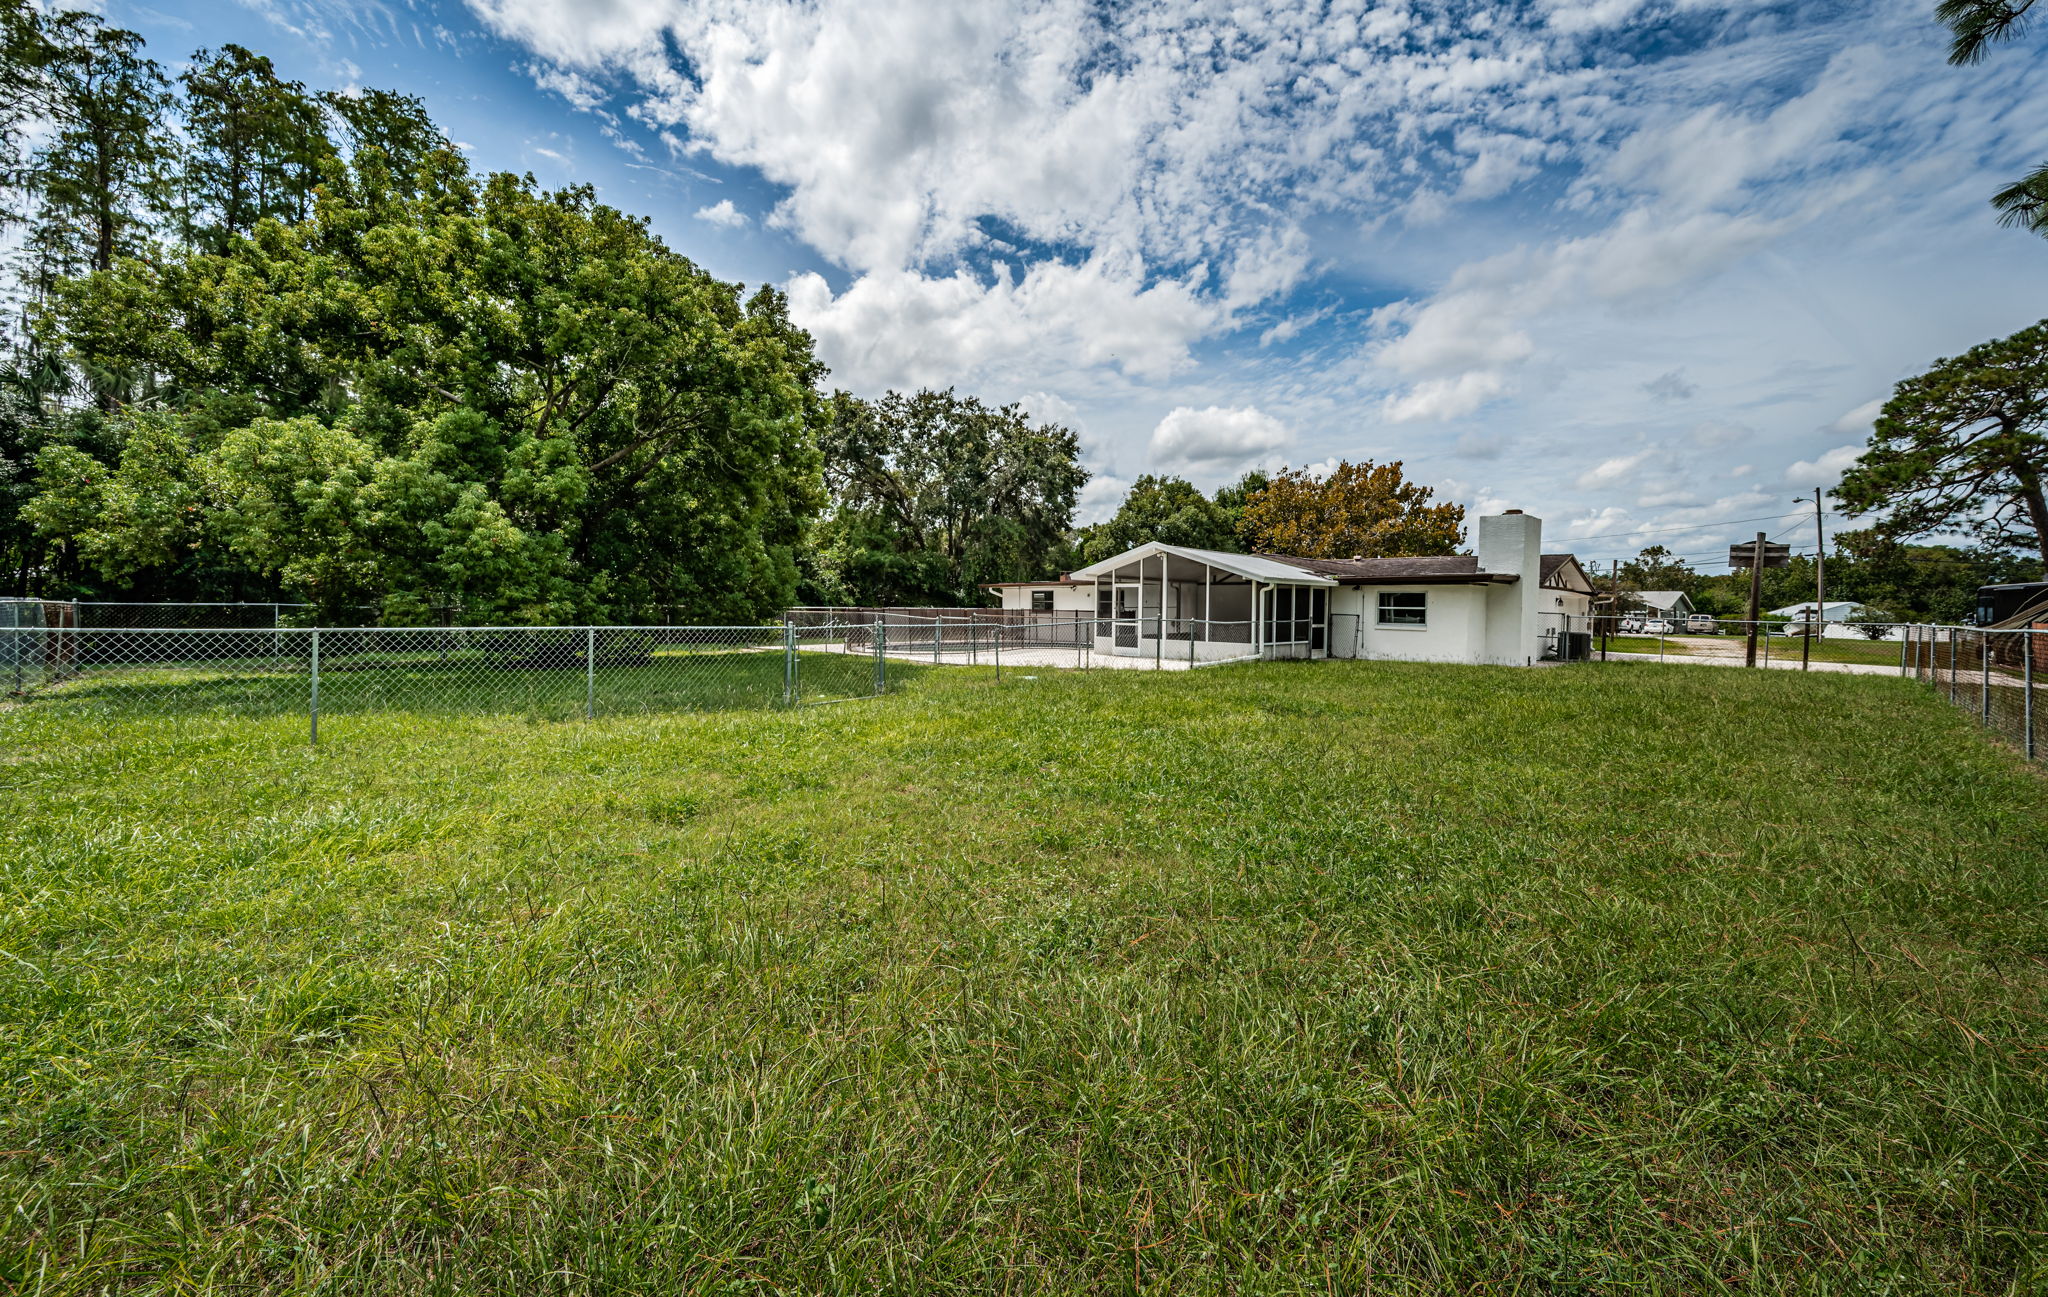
x: 1041, y: 601
x: 1399, y: 608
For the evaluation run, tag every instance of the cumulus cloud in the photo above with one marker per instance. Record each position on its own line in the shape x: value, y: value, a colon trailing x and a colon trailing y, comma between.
x: 1049, y: 196
x: 1464, y: 343
x: 1216, y: 437
x: 723, y: 213
x: 1825, y: 469
x: 908, y: 328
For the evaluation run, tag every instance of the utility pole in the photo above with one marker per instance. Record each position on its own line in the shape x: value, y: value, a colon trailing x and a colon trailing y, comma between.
x: 1820, y: 583
x: 1756, y: 594
x: 1613, y: 603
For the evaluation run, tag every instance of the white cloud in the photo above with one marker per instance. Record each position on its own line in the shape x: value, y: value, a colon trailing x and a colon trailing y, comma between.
x: 1612, y: 471
x: 1607, y: 228
x: 1861, y: 419
x: 1100, y: 497
x: 1466, y: 341
x: 1826, y: 469
x: 1444, y: 398
x: 723, y: 213
x: 906, y: 328
x: 1216, y: 437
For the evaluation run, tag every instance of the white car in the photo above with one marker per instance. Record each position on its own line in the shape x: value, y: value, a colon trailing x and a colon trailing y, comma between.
x: 1656, y: 626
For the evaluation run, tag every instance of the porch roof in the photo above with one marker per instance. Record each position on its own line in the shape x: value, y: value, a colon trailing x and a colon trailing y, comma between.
x: 1252, y: 567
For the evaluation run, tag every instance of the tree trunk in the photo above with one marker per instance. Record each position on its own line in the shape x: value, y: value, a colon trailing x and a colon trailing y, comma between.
x: 2037, y: 510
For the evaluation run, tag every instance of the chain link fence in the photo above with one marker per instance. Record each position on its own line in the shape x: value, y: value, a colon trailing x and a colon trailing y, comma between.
x: 1998, y: 676
x: 548, y: 672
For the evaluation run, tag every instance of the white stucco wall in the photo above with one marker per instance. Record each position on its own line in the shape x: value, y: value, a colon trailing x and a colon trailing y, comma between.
x: 1065, y: 598
x: 1455, y: 632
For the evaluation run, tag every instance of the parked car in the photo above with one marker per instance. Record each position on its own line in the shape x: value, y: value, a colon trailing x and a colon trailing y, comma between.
x: 1656, y: 626
x: 1629, y: 625
x: 1701, y: 623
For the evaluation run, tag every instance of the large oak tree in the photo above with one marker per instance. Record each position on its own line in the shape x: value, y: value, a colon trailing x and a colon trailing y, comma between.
x: 1366, y: 509
x: 473, y: 399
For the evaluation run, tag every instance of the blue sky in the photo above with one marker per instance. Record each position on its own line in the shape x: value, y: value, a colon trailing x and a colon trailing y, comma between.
x: 1640, y: 267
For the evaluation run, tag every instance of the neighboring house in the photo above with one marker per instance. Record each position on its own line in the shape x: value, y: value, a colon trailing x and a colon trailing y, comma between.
x: 1566, y: 587
x: 1833, y: 610
x: 1671, y: 605
x: 1063, y: 595
x: 1492, y: 606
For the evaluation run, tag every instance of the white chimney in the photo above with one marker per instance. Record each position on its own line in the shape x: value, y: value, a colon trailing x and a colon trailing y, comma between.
x: 1511, y: 544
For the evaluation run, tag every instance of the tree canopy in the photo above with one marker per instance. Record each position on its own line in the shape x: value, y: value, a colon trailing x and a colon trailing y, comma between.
x: 286, y: 344
x: 1168, y: 509
x: 934, y: 494
x: 1963, y: 449
x: 1366, y: 509
x: 515, y: 403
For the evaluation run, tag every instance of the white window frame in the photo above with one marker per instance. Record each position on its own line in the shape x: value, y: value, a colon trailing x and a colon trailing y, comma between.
x: 1381, y: 608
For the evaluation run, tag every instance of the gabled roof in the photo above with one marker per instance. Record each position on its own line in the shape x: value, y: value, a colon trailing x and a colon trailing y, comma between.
x: 1559, y: 569
x: 1661, y: 600
x: 1253, y: 567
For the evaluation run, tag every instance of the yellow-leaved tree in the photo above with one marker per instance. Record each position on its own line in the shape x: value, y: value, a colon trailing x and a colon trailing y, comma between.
x: 1364, y: 509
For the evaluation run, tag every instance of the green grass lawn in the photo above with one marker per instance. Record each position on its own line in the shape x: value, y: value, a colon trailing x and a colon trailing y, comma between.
x: 1286, y: 978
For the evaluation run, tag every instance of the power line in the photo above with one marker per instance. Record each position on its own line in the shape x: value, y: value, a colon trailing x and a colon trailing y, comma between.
x: 1658, y: 531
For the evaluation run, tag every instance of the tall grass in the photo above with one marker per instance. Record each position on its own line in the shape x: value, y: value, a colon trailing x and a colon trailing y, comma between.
x: 1289, y: 978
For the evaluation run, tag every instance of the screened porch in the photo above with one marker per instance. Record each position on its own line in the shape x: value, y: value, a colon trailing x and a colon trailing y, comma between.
x: 1166, y: 601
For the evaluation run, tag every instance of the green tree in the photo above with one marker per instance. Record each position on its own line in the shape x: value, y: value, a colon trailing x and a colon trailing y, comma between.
x: 1366, y: 509
x: 1974, y: 27
x: 935, y: 494
x: 1167, y: 509
x: 388, y: 132
x: 1233, y: 497
x: 100, y: 180
x: 1657, y: 568
x: 255, y: 146
x: 1963, y: 448
x: 517, y: 403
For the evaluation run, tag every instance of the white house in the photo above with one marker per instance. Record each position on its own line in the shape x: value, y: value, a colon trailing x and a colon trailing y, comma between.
x: 1063, y: 595
x: 1568, y: 591
x: 1672, y: 605
x: 1492, y: 606
x: 1833, y: 610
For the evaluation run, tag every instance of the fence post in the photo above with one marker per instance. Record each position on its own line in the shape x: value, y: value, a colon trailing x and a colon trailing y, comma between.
x: 1952, y: 662
x: 881, y: 655
x: 1000, y: 625
x: 2027, y: 708
x: 314, y: 708
x: 788, y: 662
x: 589, y: 672
x: 1903, y: 637
x: 1984, y: 688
